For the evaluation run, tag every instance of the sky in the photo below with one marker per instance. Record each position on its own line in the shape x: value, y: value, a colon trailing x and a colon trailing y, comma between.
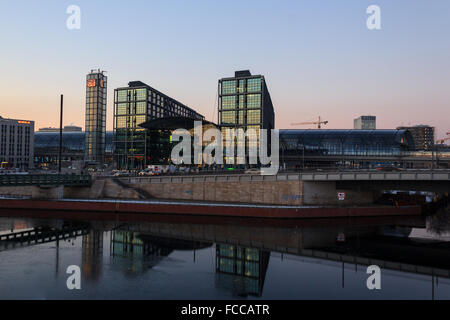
x: 318, y: 57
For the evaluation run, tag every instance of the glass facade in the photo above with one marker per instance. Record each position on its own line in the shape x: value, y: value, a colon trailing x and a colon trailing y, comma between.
x: 312, y: 146
x: 96, y: 89
x: 244, y: 269
x: 245, y: 103
x: 46, y: 146
x: 134, y: 105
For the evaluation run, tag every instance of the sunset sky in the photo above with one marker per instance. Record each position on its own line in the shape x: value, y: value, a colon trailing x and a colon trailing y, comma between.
x: 318, y: 57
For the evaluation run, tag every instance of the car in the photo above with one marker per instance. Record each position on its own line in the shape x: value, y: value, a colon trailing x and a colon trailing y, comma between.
x: 389, y: 168
x: 252, y: 171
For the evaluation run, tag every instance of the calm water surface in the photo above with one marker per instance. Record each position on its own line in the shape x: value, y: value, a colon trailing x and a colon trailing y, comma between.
x: 205, y: 258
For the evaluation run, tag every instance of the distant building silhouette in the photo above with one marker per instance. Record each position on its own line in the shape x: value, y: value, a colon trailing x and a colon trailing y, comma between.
x: 423, y: 136
x: 365, y: 123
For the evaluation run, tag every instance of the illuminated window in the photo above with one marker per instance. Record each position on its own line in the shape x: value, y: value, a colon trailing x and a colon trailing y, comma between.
x: 140, y: 120
x: 241, y: 102
x: 229, y: 87
x: 122, y: 96
x: 253, y: 101
x: 253, y: 116
x: 241, y: 87
x: 254, y: 85
x: 141, y: 94
x: 229, y: 102
x: 229, y: 117
x: 141, y: 107
x: 122, y: 109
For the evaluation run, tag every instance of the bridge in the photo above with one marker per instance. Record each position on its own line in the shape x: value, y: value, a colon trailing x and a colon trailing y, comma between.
x: 45, y: 180
x: 317, y: 175
x: 291, y: 188
x: 36, y: 236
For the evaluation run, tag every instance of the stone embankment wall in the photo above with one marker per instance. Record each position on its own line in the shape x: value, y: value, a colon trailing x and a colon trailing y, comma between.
x: 261, y: 192
x: 264, y: 191
x: 16, y: 191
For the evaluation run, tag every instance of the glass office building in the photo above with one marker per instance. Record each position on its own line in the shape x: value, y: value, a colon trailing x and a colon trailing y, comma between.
x: 160, y: 131
x: 245, y: 103
x: 46, y: 147
x: 96, y: 88
x: 134, y: 105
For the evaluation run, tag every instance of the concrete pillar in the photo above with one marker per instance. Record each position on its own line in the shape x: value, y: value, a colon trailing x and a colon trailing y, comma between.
x: 319, y: 193
x: 326, y: 193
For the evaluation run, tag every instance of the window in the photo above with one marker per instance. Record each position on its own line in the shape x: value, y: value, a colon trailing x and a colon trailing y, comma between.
x: 253, y: 101
x: 121, y: 95
x: 229, y: 102
x: 141, y: 94
x: 253, y: 116
x: 254, y: 85
x: 121, y: 122
x: 241, y: 117
x: 228, y: 117
x: 241, y: 87
x: 121, y: 109
x: 141, y: 108
x: 140, y: 120
x: 241, y: 102
x: 229, y: 87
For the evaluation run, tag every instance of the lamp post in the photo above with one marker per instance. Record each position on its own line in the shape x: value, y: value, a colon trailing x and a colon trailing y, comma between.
x: 60, y: 133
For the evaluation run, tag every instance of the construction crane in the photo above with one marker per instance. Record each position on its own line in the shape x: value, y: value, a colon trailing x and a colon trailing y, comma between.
x: 441, y: 141
x: 318, y: 123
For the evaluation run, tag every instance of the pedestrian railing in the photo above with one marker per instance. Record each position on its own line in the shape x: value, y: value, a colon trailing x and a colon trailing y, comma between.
x: 69, y: 180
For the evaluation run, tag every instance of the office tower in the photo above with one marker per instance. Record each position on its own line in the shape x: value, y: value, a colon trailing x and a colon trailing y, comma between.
x: 16, y: 143
x: 365, y: 123
x: 96, y: 89
x: 423, y: 136
x: 133, y: 106
x: 245, y: 103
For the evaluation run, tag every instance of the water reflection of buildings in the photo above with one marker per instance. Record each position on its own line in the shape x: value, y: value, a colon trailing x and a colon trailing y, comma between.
x: 92, y: 255
x: 243, y: 252
x: 241, y: 270
x: 138, y: 252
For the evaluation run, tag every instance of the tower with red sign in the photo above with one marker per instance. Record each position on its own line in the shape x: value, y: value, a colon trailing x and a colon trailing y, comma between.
x: 96, y: 90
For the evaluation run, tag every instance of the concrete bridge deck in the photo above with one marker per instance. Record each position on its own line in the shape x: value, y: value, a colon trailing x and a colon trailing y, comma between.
x: 361, y: 175
x: 321, y: 184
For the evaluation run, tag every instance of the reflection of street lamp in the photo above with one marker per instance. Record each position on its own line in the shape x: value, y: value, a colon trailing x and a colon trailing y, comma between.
x: 303, y: 156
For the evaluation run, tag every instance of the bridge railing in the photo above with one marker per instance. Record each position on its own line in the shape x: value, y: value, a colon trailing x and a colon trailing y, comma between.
x: 45, y: 180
